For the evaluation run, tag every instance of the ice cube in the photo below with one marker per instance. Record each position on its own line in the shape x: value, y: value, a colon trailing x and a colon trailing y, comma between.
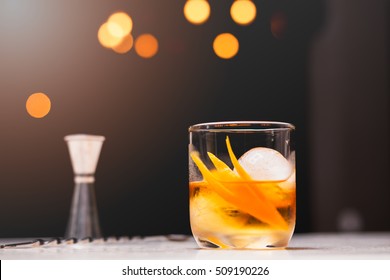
x: 209, y: 212
x: 265, y: 164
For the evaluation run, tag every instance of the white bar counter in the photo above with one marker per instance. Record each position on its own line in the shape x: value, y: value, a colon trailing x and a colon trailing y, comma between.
x: 313, y: 246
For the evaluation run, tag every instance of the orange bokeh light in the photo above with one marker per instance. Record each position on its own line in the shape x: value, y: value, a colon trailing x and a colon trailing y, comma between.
x: 278, y: 24
x: 119, y: 24
x: 146, y: 46
x: 105, y: 37
x: 125, y: 45
x: 243, y: 12
x: 115, y: 33
x: 226, y: 45
x: 38, y: 105
x: 197, y: 11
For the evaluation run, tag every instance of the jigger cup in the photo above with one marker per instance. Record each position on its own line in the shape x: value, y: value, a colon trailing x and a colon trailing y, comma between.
x: 84, y: 153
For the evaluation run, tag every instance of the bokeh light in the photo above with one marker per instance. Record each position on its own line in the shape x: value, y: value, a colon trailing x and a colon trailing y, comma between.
x: 278, y: 24
x: 115, y: 33
x: 197, y: 11
x: 226, y: 45
x: 38, y: 105
x: 105, y: 37
x: 243, y: 12
x: 125, y: 45
x: 146, y: 45
x: 119, y: 24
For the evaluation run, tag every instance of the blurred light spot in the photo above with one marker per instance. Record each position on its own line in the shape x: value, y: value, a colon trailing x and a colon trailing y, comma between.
x: 243, y: 12
x: 106, y: 39
x: 349, y: 219
x: 146, y: 45
x: 119, y: 24
x: 38, y: 105
x: 278, y: 24
x: 115, y: 29
x: 225, y: 45
x: 125, y: 45
x: 197, y: 11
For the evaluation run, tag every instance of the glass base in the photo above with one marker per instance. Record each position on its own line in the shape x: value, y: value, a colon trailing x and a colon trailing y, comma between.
x: 221, y: 241
x: 83, y: 219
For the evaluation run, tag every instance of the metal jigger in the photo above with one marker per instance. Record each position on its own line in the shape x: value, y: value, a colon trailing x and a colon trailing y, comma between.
x: 84, y: 154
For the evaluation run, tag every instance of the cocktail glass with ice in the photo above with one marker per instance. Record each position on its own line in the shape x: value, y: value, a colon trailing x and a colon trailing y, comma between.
x: 242, y: 184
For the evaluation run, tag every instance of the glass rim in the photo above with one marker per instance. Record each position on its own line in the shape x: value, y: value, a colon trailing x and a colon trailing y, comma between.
x: 236, y: 126
x: 84, y: 137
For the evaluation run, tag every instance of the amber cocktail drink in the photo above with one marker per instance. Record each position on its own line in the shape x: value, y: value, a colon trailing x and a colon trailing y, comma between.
x: 242, y: 184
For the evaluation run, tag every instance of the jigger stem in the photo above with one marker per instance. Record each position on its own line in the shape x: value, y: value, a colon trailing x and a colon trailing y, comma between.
x: 84, y: 152
x: 83, y: 220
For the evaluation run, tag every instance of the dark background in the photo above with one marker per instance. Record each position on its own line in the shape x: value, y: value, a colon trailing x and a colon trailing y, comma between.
x: 328, y: 75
